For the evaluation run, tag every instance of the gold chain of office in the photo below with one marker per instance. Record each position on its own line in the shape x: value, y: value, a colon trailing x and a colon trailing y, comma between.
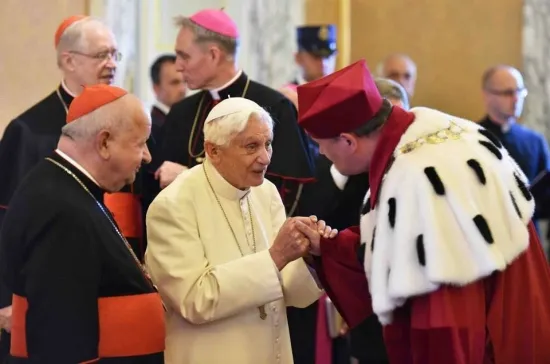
x: 199, y: 157
x: 261, y: 309
x: 128, y: 247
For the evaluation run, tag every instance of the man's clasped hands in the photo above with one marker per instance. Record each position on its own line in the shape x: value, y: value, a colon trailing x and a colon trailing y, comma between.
x: 299, y: 237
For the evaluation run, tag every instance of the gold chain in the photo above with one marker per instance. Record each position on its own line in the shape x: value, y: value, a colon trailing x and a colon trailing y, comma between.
x: 141, y: 267
x: 261, y: 309
x: 62, y: 101
x: 195, y: 121
x: 253, y: 247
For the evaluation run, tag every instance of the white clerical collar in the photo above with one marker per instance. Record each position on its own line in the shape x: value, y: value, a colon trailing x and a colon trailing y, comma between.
x: 64, y: 85
x: 162, y: 107
x: 215, y: 92
x: 300, y: 79
x: 506, y: 127
x: 76, y: 165
x: 220, y: 184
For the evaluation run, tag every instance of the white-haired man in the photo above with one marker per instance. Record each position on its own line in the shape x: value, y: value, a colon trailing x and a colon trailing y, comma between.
x: 86, y: 55
x: 225, y: 260
x: 80, y: 293
x: 206, y: 50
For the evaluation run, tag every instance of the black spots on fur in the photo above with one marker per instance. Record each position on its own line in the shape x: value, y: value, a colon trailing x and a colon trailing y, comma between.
x: 476, y: 167
x: 434, y: 179
x: 515, y: 204
x: 373, y: 237
x: 361, y: 253
x: 366, y: 207
x: 483, y: 228
x: 491, y: 148
x: 523, y: 188
x: 492, y: 137
x: 420, y: 252
x: 392, y: 211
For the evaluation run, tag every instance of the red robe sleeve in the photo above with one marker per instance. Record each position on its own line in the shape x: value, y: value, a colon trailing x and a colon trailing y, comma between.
x: 518, y: 319
x: 502, y: 319
x: 343, y: 277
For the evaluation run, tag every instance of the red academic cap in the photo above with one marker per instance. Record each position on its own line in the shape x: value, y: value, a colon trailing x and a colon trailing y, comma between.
x: 92, y: 98
x: 216, y: 21
x: 338, y: 103
x: 64, y: 25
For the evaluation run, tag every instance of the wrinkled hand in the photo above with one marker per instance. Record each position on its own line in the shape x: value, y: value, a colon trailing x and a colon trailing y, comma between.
x: 168, y: 172
x: 289, y: 244
x: 5, y: 318
x: 314, y: 229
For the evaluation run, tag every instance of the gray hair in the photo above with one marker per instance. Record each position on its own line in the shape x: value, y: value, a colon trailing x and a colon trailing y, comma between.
x: 379, y: 71
x: 390, y: 89
x: 106, y: 117
x: 222, y: 130
x: 74, y: 36
x: 202, y: 35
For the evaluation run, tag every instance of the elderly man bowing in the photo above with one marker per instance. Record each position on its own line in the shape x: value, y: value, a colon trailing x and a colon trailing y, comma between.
x: 225, y: 260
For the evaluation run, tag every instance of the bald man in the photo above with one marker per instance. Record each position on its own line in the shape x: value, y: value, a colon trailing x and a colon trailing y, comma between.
x: 80, y: 293
x: 400, y: 68
x: 504, y: 93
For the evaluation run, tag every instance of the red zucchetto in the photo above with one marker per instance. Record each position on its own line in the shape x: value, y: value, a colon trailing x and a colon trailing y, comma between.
x: 92, y: 98
x: 64, y: 25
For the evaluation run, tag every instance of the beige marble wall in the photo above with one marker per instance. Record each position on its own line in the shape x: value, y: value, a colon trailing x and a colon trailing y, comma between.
x: 268, y: 36
x: 536, y: 71
x: 122, y: 16
x: 536, y: 64
x: 27, y: 58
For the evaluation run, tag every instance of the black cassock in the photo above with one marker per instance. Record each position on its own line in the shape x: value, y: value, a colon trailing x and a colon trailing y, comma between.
x: 79, y: 293
x: 29, y: 138
x: 340, y: 209
x: 35, y: 134
x: 292, y: 164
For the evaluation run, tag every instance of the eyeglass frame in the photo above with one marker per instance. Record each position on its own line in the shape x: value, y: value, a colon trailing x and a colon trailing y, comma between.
x: 519, y: 92
x: 102, y: 56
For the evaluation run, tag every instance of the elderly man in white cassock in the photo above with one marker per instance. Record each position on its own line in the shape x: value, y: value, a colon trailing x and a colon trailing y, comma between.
x: 224, y: 257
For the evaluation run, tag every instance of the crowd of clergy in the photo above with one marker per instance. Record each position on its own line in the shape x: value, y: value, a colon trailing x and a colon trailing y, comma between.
x: 235, y: 223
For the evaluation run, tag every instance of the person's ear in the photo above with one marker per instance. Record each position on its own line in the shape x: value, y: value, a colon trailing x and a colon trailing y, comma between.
x: 103, y: 144
x: 213, y: 151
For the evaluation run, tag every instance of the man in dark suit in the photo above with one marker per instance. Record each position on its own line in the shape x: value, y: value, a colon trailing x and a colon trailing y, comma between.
x: 169, y: 88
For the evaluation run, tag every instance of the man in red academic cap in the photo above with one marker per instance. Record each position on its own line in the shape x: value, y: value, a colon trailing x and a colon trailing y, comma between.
x: 86, y: 55
x: 446, y: 255
x: 206, y: 50
x: 80, y: 293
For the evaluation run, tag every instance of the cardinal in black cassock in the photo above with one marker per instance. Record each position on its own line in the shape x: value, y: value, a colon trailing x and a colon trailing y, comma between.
x: 291, y: 164
x: 80, y: 294
x: 34, y: 134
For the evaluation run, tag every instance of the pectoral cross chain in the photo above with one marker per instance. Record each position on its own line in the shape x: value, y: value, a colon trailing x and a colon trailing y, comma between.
x: 263, y: 314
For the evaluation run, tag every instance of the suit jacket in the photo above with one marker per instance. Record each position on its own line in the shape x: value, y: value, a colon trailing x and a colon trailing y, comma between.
x: 211, y: 290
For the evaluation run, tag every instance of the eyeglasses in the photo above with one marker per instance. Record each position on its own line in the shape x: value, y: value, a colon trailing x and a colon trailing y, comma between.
x: 519, y: 92
x: 102, y: 56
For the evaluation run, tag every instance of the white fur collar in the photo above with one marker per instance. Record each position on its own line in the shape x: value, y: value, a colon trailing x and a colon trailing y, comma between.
x: 449, y: 212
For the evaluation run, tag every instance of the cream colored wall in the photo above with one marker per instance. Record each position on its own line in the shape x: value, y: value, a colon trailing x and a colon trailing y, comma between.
x: 451, y: 41
x: 27, y: 58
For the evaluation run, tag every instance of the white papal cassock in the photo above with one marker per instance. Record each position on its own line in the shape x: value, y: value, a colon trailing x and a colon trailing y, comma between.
x: 211, y: 291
